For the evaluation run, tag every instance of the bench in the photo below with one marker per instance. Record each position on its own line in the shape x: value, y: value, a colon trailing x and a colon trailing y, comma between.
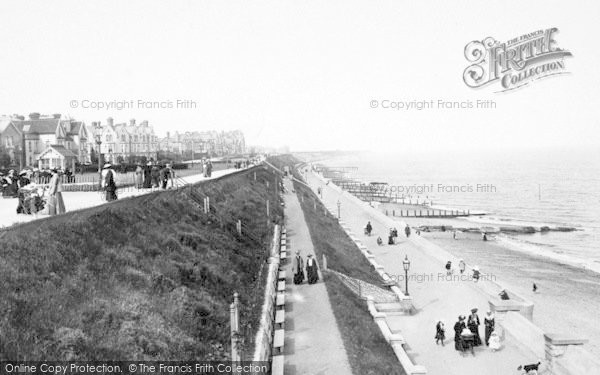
x: 280, y: 301
x: 280, y: 318
x: 283, y: 255
x: 277, y: 365
x: 281, y: 275
x: 278, y: 341
x: 281, y: 286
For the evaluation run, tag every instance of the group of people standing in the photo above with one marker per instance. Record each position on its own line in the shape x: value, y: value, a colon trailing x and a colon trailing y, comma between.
x: 312, y: 269
x: 154, y: 176
x: 466, y: 334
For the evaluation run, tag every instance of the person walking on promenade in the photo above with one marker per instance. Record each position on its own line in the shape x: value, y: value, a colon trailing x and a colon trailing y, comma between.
x: 534, y: 288
x: 56, y: 205
x: 490, y: 323
x: 449, y: 268
x: 298, y: 268
x: 458, y: 328
x: 379, y: 241
x: 139, y: 176
x: 473, y: 323
x: 368, y: 228
x: 407, y: 231
x: 209, y: 168
x: 462, y: 266
x: 312, y: 273
x: 147, y: 176
x: 108, y: 182
x: 440, y: 332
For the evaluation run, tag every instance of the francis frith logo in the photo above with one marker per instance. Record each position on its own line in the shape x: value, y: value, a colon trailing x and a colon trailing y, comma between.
x: 515, y: 63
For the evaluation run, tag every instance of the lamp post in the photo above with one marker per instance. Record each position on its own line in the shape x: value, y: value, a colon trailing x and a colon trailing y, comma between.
x: 406, y: 265
x: 339, y: 204
x: 98, y: 138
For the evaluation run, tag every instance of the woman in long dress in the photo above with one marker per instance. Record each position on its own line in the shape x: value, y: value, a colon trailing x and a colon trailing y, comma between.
x: 458, y: 327
x: 490, y: 323
x: 473, y: 324
x: 56, y: 205
x: 312, y: 273
x: 298, y: 268
x: 139, y: 177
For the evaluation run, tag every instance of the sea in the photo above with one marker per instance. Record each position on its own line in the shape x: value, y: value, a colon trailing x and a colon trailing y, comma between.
x: 545, y: 187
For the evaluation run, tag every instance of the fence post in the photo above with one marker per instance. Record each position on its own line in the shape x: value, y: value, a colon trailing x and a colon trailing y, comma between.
x: 324, y: 262
x: 254, y: 175
x: 239, y: 227
x: 235, y: 328
x: 315, y: 205
x: 268, y: 212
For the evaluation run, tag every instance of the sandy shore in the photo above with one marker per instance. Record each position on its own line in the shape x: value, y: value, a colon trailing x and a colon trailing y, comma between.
x: 567, y: 297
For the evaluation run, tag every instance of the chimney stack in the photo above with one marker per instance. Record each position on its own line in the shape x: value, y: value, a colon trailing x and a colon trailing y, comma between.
x: 34, y: 116
x: 109, y: 122
x: 132, y: 122
x: 56, y: 115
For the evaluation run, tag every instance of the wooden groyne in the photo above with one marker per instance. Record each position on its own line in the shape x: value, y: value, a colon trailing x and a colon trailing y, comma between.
x: 430, y: 213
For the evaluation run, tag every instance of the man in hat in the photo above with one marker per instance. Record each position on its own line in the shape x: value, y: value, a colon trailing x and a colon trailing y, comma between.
x: 298, y: 268
x: 312, y: 273
x: 473, y: 323
x: 108, y: 182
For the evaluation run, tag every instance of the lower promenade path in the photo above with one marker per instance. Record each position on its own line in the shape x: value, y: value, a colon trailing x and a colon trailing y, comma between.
x: 433, y: 297
x: 80, y: 200
x: 313, y: 344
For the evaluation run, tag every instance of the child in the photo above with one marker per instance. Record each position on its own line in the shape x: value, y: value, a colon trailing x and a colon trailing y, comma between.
x: 440, y: 332
x: 494, y: 341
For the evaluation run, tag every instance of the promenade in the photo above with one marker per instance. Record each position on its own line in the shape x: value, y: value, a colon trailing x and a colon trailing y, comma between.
x: 313, y: 344
x: 434, y: 298
x: 80, y: 200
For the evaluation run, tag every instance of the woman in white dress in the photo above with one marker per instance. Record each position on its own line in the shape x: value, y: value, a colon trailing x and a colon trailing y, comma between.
x: 56, y: 205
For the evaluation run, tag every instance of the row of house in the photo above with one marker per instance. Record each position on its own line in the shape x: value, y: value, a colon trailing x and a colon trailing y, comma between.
x: 59, y: 141
x: 210, y: 142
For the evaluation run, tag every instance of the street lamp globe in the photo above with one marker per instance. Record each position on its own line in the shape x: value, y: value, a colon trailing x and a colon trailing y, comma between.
x: 406, y: 263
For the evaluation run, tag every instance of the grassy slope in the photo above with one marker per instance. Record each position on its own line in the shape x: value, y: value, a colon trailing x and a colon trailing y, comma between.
x: 149, y: 277
x: 368, y: 351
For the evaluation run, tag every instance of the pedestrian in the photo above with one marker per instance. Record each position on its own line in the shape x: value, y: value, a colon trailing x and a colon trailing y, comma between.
x: 449, y: 268
x: 139, y: 176
x: 458, y: 328
x: 298, y: 268
x: 484, y: 236
x: 368, y: 228
x: 534, y: 288
x: 209, y: 168
x: 440, y: 332
x: 155, y: 174
x: 473, y: 324
x: 379, y: 241
x: 494, y: 341
x: 108, y: 182
x: 462, y: 266
x: 454, y: 234
x: 407, y: 231
x: 56, y: 205
x: 312, y: 273
x: 476, y: 273
x: 504, y: 295
x: 490, y: 324
x: 147, y: 176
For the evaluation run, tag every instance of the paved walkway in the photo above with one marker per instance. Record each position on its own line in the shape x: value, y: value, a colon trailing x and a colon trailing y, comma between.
x: 80, y: 200
x: 313, y: 344
x: 434, y: 298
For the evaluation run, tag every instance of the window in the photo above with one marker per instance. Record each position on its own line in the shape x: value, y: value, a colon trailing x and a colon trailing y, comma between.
x: 123, y: 138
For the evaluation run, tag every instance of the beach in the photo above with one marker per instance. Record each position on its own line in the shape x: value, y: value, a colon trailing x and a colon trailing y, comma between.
x: 567, y: 297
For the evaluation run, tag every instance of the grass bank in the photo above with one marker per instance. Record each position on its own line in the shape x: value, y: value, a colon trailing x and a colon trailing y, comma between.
x: 145, y: 278
x: 367, y: 349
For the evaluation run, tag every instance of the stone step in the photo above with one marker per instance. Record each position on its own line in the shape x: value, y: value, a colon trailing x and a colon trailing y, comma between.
x: 387, y: 307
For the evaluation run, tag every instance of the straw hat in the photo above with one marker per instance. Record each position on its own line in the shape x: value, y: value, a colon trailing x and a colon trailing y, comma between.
x: 107, y: 165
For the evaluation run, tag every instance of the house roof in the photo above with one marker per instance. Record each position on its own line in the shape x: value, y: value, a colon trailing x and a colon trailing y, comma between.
x: 42, y: 126
x: 60, y: 149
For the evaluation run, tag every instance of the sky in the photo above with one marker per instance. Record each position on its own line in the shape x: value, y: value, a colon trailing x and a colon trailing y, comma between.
x: 301, y: 73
